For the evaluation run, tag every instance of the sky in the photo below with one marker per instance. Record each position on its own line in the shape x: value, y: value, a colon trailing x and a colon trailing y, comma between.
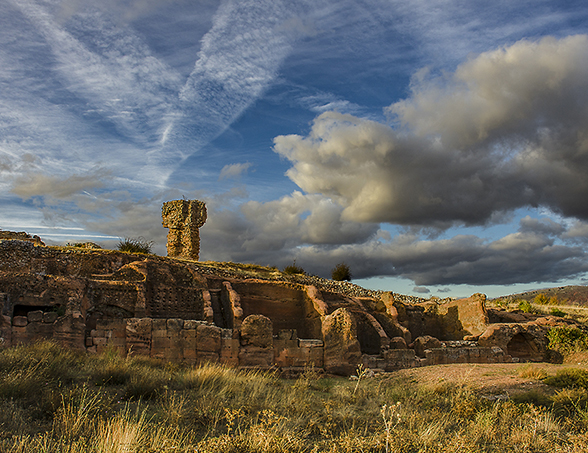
x: 438, y: 147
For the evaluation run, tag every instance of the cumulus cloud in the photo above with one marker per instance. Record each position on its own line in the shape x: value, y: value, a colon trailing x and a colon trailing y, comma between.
x: 507, y: 129
x: 421, y: 290
x: 234, y: 170
x: 275, y: 232
x: 516, y: 258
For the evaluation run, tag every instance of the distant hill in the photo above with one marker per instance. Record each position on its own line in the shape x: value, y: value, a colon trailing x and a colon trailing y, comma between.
x: 571, y: 295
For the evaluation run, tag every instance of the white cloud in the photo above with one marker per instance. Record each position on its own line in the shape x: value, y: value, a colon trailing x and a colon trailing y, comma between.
x: 234, y: 170
x: 506, y: 130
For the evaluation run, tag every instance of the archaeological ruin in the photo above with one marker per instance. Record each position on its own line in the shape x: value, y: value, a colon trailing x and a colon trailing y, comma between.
x: 184, y: 219
x: 187, y: 311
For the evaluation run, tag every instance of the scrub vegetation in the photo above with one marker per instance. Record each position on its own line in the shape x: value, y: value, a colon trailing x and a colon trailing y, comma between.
x: 56, y: 400
x: 135, y: 245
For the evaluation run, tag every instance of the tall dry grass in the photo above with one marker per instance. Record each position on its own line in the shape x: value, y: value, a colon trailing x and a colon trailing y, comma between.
x: 53, y: 400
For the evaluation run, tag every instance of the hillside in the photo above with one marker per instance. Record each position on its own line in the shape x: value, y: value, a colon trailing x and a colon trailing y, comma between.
x: 566, y: 295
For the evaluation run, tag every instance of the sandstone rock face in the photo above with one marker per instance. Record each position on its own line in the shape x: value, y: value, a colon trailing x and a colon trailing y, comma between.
x: 426, y: 342
x: 22, y: 236
x: 183, y: 218
x: 257, y: 349
x: 256, y: 330
x: 342, y: 351
x: 398, y: 343
x: 527, y: 342
x: 464, y: 317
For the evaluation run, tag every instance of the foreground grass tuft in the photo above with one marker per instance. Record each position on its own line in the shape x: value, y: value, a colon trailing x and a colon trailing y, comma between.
x: 54, y: 400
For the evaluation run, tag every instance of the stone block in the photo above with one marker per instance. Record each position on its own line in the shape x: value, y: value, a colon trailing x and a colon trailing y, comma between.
x: 19, y: 335
x: 110, y: 324
x: 425, y: 342
x: 205, y: 357
x: 174, y: 354
x: 288, y: 357
x: 139, y: 327
x: 316, y: 356
x: 464, y: 317
x: 397, y: 359
x: 160, y: 343
x: 208, y: 339
x: 99, y: 341
x: 287, y: 334
x: 96, y: 333
x: 254, y: 356
x: 50, y: 317
x: 159, y: 333
x: 175, y: 324
x: 160, y: 324
x: 190, y: 324
x: 20, y: 321
x: 35, y: 316
x: 157, y: 353
x: 229, y: 354
x: 188, y: 333
x: 257, y: 331
x: 342, y: 352
x: 398, y: 343
x: 311, y: 343
x: 119, y: 332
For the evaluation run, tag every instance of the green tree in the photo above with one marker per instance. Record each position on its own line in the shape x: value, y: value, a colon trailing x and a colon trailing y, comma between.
x: 341, y: 272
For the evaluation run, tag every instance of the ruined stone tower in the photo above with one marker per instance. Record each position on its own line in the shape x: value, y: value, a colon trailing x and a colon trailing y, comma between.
x: 183, y: 218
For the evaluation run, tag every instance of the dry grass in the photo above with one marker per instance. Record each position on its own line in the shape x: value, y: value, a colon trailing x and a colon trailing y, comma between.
x: 212, y: 408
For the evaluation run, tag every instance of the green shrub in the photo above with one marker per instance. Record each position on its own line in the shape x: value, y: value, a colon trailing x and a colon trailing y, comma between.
x: 571, y: 378
x: 526, y: 306
x: 341, y: 272
x: 294, y: 269
x: 534, y: 396
x: 135, y: 245
x: 558, y: 312
x: 567, y: 339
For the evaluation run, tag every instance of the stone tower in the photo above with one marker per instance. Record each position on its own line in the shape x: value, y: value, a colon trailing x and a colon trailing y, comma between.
x: 183, y: 218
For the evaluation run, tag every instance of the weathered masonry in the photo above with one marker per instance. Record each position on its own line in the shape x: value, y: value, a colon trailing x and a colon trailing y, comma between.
x: 179, y: 310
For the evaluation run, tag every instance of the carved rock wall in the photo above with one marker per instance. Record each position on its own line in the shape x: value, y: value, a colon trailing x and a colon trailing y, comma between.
x: 171, y: 310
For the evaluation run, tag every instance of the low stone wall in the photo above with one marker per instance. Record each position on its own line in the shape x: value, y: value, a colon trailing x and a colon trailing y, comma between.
x: 36, y: 325
x: 195, y: 342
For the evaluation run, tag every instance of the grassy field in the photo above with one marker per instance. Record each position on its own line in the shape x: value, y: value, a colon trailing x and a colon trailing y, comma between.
x: 56, y: 400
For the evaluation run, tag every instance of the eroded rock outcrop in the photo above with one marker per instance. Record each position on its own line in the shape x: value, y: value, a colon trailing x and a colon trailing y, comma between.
x: 184, y: 219
x: 181, y: 310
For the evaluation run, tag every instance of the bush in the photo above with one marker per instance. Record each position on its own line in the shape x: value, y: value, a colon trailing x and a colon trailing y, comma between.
x: 567, y: 339
x: 341, y: 272
x: 294, y: 269
x: 570, y: 378
x: 558, y: 312
x: 135, y: 245
x: 526, y: 306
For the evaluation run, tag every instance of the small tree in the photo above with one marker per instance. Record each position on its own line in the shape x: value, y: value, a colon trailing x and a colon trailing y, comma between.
x: 341, y: 272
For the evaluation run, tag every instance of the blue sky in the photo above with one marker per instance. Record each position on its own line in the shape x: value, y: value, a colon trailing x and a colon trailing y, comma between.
x: 437, y: 147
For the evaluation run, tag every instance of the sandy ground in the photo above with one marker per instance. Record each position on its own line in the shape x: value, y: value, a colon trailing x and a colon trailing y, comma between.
x: 490, y: 380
